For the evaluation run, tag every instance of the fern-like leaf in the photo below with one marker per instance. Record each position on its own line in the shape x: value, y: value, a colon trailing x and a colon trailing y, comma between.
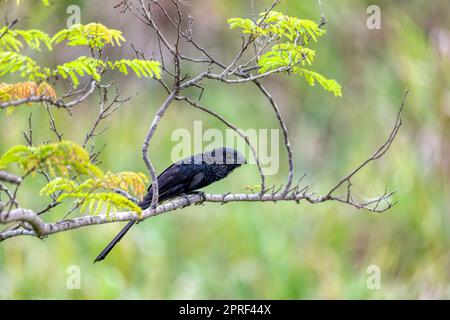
x: 293, y: 35
x: 312, y: 77
x: 27, y: 89
x: 94, y: 35
x: 90, y: 193
x: 142, y: 68
x: 80, y: 67
x: 12, y: 40
x: 62, y: 157
x: 12, y: 62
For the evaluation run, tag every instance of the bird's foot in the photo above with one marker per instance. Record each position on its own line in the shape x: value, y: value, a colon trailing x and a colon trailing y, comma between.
x: 202, y: 196
x: 185, y: 196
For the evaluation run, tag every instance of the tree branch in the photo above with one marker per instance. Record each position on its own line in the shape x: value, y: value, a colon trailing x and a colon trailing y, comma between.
x: 146, y: 144
x: 378, y: 153
x: 42, y: 229
x: 283, y: 126
x: 55, y: 102
x: 9, y: 177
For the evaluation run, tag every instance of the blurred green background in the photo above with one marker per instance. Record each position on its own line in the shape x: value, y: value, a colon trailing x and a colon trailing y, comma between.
x: 264, y: 250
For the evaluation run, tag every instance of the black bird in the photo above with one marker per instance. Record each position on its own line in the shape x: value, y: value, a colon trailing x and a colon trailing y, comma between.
x: 184, y: 177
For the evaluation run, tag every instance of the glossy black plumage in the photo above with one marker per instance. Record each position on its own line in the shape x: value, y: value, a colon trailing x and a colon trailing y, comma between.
x: 184, y: 177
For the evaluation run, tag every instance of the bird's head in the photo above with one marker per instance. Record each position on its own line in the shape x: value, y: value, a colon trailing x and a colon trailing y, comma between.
x: 227, y: 156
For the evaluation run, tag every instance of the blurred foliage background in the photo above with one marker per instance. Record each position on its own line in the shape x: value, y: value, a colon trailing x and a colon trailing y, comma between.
x: 264, y: 250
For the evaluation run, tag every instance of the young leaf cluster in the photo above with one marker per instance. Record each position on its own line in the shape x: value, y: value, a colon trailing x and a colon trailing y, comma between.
x: 90, y: 66
x: 44, y: 2
x: 92, y: 35
x: 24, y: 90
x: 56, y: 158
x: 291, y: 52
x: 90, y: 194
x: 76, y: 178
x: 13, y: 40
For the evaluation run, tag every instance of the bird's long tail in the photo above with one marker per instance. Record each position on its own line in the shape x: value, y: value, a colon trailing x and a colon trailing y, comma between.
x: 144, y: 205
x: 114, y: 241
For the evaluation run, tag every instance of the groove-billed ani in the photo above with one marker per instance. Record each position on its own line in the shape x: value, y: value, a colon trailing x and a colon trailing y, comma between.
x: 184, y: 177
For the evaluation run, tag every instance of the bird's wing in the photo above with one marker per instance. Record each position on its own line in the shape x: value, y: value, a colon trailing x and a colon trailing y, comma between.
x: 197, y: 180
x: 178, y: 179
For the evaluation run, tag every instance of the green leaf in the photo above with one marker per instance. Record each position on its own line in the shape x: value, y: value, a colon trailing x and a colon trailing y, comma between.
x: 94, y: 35
x: 328, y: 84
x: 78, y: 68
x: 12, y: 62
x: 293, y: 36
x: 62, y: 157
x: 145, y: 68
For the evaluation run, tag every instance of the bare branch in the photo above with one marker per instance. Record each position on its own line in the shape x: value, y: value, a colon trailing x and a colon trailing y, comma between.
x: 146, y: 144
x: 41, y: 229
x: 25, y: 215
x: 283, y: 126
x: 55, y: 102
x: 53, y: 123
x: 29, y: 136
x: 9, y: 27
x: 378, y: 153
x: 105, y: 111
x: 9, y: 177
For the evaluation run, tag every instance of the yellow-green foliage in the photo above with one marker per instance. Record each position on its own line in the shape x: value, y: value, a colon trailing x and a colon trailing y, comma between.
x: 44, y: 2
x: 90, y: 66
x: 12, y: 62
x: 292, y: 34
x: 12, y: 39
x: 128, y: 181
x: 23, y: 90
x: 276, y: 23
x: 80, y: 67
x: 61, y: 158
x: 90, y: 193
x: 76, y: 177
x: 94, y: 35
x: 312, y: 76
x: 142, y: 68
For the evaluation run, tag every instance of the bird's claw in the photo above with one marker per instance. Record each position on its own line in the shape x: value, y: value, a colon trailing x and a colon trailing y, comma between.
x: 186, y: 197
x: 202, y: 196
x: 199, y: 193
